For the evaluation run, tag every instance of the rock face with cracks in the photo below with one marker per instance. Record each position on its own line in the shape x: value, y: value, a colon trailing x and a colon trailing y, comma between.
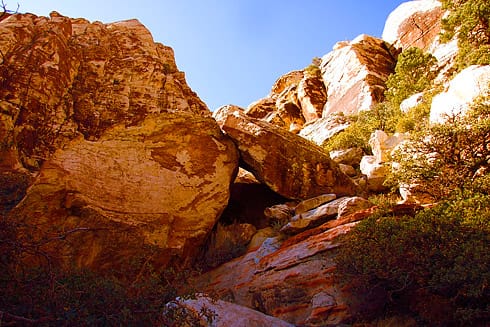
x: 147, y: 185
x: 124, y: 157
x: 355, y: 74
x: 290, y: 165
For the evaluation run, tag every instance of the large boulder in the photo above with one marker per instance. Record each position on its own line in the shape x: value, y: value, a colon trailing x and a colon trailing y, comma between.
x: 123, y: 154
x: 287, y: 163
x: 461, y: 92
x: 296, y: 98
x: 288, y: 110
x: 355, y: 74
x: 320, y: 130
x: 414, y: 24
x: 285, y: 81
x: 383, y: 144
x: 134, y: 188
x: 376, y: 173
x: 350, y: 156
x: 312, y: 96
x: 418, y: 24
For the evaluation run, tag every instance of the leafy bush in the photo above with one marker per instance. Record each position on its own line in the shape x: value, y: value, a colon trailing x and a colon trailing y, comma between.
x: 432, y: 262
x: 449, y: 158
x: 47, y: 296
x: 416, y: 119
x: 469, y: 21
x: 313, y: 71
x: 414, y: 72
x: 382, y: 116
x: 356, y: 135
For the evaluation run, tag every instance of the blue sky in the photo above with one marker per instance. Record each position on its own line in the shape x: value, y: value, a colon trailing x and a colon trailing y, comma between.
x: 232, y: 51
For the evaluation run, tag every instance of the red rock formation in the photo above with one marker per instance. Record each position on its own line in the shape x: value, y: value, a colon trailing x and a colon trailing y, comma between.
x: 355, y: 74
x: 293, y: 281
x: 288, y: 164
x: 127, y: 157
x: 61, y: 77
x: 295, y: 98
x: 414, y: 24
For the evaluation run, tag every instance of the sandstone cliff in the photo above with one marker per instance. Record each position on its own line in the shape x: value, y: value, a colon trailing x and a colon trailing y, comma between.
x: 108, y: 157
x: 121, y: 153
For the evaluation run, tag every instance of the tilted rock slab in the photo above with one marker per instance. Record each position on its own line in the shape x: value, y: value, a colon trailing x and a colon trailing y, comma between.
x: 162, y: 184
x: 355, y: 74
x: 292, y: 280
x: 290, y: 165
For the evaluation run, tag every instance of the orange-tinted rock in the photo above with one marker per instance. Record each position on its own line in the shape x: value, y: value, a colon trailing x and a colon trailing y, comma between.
x: 312, y: 96
x: 127, y: 157
x: 355, y: 74
x: 61, y: 77
x: 134, y: 188
x: 285, y: 81
x: 262, y: 109
x: 287, y: 163
x: 296, y: 98
x: 292, y: 281
x: 289, y: 109
x: 414, y: 24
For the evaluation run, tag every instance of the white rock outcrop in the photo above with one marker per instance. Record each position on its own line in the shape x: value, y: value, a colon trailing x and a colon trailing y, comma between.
x: 461, y: 92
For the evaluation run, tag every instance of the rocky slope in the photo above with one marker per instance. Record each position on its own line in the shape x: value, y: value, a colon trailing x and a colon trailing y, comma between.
x: 107, y: 156
x: 347, y: 80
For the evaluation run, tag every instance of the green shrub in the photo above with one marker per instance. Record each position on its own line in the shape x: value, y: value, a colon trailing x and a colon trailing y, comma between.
x: 437, y: 259
x: 382, y: 116
x: 313, y: 71
x: 417, y: 118
x: 449, y: 158
x: 45, y: 295
x: 469, y: 21
x: 414, y: 72
x: 353, y: 136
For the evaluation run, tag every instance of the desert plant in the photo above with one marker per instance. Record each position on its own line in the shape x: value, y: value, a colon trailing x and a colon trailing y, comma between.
x: 382, y: 116
x: 313, y: 71
x: 414, y: 72
x: 47, y: 295
x: 436, y: 260
x: 449, y: 158
x: 469, y: 21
